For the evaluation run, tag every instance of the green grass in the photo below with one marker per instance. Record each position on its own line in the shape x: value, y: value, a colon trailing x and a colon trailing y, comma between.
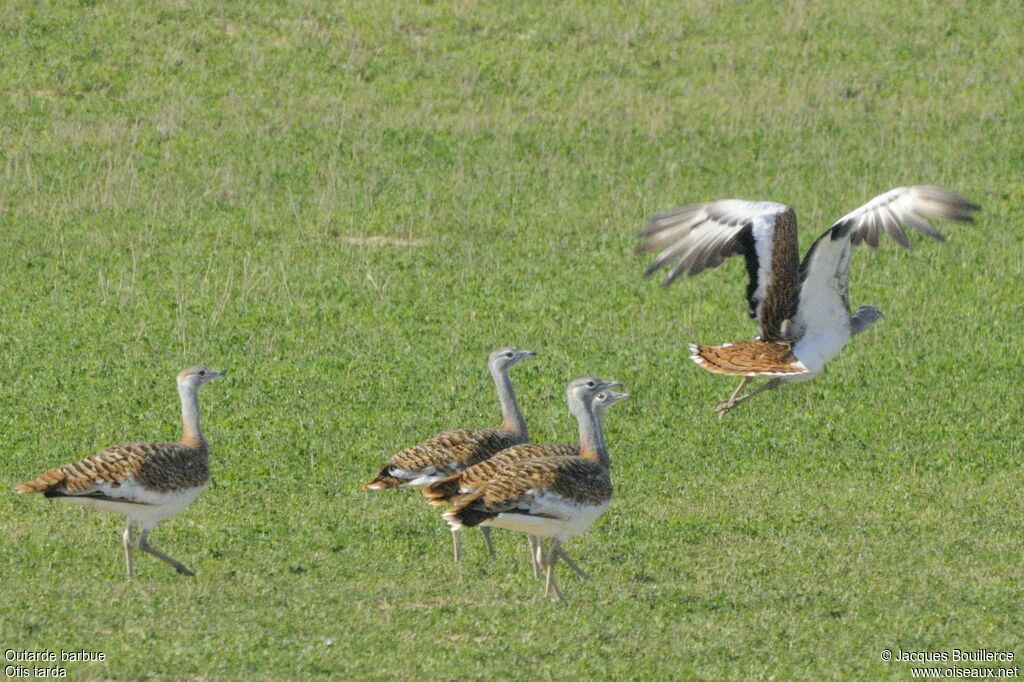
x: 185, y: 185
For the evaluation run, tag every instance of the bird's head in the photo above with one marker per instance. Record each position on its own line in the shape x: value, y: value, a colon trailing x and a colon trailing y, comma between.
x: 503, y: 359
x: 194, y: 377
x: 581, y: 392
x: 606, y: 399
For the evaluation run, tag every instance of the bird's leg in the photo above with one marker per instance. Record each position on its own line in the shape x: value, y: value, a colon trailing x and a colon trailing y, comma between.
x: 539, y: 556
x: 144, y: 546
x: 552, y: 559
x: 535, y: 554
x: 733, y: 402
x: 728, y: 404
x: 128, y: 545
x: 487, y: 539
x: 572, y: 564
x: 457, y: 542
x: 743, y: 382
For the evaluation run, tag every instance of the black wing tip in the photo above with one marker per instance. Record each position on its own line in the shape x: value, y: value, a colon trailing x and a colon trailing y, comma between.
x: 841, y: 229
x: 95, y: 496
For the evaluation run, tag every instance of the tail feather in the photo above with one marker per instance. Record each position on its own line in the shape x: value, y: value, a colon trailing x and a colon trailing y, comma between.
x: 42, y: 483
x: 444, y: 491
x: 464, y: 515
x: 383, y: 481
x: 749, y: 358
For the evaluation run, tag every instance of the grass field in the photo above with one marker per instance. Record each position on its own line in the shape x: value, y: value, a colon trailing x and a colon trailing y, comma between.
x: 348, y: 205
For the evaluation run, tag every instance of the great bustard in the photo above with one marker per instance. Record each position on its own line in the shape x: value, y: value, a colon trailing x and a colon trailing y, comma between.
x: 583, y: 396
x: 548, y: 497
x: 450, y: 452
x: 802, y: 309
x: 147, y: 482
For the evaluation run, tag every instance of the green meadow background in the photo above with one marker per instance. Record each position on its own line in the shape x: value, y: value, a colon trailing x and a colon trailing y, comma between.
x: 347, y: 205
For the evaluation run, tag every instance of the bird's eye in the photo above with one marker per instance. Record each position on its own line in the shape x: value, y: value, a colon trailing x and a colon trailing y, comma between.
x: 508, y: 355
x: 202, y: 372
x: 590, y: 384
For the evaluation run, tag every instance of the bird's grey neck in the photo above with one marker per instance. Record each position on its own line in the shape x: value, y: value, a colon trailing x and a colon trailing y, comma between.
x: 192, y: 433
x: 592, y: 445
x: 511, y: 418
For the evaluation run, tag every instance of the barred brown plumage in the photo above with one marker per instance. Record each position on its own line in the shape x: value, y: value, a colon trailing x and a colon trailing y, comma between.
x: 748, y: 358
x: 147, y: 482
x: 802, y: 308
x: 449, y: 452
x: 447, y: 490
x: 469, y: 479
x: 553, y: 496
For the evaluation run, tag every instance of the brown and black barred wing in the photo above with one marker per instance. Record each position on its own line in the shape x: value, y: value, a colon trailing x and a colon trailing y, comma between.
x: 540, y: 487
x: 118, y: 472
x: 441, y: 456
x: 447, y: 490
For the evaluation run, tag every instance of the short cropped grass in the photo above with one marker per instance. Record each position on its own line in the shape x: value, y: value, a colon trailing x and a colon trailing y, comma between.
x: 348, y: 205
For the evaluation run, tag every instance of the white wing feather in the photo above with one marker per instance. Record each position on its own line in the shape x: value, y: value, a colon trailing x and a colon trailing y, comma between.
x: 700, y: 236
x: 824, y: 273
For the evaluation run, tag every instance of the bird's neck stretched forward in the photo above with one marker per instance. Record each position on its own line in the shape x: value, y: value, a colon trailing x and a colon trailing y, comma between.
x: 511, y: 419
x: 592, y: 445
x: 192, y: 433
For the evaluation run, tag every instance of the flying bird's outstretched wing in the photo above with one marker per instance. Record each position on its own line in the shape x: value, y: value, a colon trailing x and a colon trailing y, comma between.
x: 822, y: 295
x: 700, y: 236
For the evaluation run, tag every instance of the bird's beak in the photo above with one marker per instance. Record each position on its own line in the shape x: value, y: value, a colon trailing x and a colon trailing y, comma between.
x: 611, y: 384
x: 523, y: 354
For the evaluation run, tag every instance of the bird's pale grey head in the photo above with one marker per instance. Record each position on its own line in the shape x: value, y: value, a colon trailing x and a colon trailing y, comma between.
x: 581, y: 392
x: 198, y: 375
x: 504, y: 358
x: 606, y: 399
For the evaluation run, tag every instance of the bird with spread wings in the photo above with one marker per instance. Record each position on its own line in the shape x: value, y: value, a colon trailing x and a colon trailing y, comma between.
x: 802, y: 308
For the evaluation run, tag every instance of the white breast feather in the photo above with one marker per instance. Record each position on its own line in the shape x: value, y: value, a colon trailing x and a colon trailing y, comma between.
x: 146, y: 506
x: 550, y: 515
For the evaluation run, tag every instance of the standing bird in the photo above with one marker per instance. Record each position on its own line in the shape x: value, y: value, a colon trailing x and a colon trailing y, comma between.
x: 802, y: 309
x: 549, y: 497
x: 450, y: 452
x: 147, y: 482
x: 582, y: 395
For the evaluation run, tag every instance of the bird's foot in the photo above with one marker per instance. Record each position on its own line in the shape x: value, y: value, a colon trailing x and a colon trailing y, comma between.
x: 725, y: 407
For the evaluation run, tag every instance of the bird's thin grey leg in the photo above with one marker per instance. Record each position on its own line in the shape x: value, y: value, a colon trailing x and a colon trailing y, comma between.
x: 144, y: 546
x: 552, y: 559
x: 487, y: 539
x: 743, y: 382
x: 731, y: 403
x: 572, y: 564
x: 128, y: 545
x: 542, y: 555
x: 457, y: 542
x: 535, y: 555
